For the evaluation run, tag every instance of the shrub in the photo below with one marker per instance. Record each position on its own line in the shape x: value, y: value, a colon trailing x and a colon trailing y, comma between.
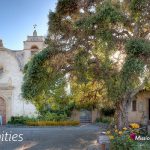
x: 106, y: 119
x: 137, y: 47
x: 53, y: 117
x: 52, y: 123
x: 121, y: 140
x: 20, y: 119
x: 98, y: 120
x: 47, y: 117
x: 125, y: 139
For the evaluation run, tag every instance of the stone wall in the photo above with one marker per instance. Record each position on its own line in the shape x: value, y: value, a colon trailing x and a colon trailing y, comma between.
x: 76, y: 115
x: 95, y: 115
x: 141, y: 115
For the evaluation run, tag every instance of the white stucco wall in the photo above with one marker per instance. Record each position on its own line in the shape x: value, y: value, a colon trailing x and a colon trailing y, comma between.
x: 13, y: 76
x: 27, y: 56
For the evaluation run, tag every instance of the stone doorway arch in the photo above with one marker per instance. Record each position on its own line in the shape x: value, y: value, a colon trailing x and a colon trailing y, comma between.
x: 3, y: 110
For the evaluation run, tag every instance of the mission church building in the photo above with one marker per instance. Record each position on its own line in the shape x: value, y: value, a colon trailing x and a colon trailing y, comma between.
x: 11, y: 77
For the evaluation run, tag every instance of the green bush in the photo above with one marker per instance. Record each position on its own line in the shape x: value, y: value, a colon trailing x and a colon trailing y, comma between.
x: 106, y: 119
x: 137, y: 47
x: 53, y: 117
x: 122, y: 142
x: 20, y: 119
x: 98, y: 120
x: 45, y: 117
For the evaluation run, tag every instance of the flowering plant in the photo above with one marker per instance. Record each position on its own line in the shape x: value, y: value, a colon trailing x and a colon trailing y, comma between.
x: 134, y: 126
x: 124, y: 139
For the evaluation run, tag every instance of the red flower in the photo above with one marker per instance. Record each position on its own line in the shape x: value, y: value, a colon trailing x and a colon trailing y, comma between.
x: 132, y: 136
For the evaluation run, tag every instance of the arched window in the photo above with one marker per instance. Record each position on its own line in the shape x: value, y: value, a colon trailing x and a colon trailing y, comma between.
x: 34, y: 47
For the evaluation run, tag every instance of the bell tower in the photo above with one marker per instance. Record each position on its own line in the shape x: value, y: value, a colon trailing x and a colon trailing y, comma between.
x: 34, y: 42
x: 33, y: 45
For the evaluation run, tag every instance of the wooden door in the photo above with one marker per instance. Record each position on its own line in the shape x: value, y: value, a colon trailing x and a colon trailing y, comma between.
x: 3, y: 110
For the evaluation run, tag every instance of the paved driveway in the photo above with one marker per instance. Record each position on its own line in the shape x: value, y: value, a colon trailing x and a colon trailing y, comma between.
x: 52, y: 138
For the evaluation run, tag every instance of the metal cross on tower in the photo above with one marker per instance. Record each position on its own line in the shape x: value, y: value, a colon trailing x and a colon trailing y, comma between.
x: 34, y: 26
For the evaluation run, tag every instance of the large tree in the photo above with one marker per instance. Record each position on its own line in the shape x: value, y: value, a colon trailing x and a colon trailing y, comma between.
x: 96, y: 41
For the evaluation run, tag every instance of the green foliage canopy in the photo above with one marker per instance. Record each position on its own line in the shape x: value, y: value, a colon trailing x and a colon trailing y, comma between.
x: 88, y: 36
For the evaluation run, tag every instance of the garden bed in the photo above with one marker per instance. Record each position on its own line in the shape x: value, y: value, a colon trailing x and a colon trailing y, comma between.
x: 53, y: 123
x: 128, y: 138
x: 47, y: 120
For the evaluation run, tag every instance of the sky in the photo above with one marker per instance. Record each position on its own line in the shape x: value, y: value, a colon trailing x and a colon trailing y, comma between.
x: 17, y: 18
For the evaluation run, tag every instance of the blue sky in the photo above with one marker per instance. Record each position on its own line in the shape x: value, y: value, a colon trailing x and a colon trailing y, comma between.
x: 17, y: 18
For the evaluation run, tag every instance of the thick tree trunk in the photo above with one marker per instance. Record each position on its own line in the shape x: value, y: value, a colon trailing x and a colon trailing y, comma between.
x: 121, y: 115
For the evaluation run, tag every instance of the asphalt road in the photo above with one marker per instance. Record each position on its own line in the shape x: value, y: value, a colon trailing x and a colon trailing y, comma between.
x: 52, y: 138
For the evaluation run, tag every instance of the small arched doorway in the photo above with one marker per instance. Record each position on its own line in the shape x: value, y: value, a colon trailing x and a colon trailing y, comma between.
x: 3, y: 110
